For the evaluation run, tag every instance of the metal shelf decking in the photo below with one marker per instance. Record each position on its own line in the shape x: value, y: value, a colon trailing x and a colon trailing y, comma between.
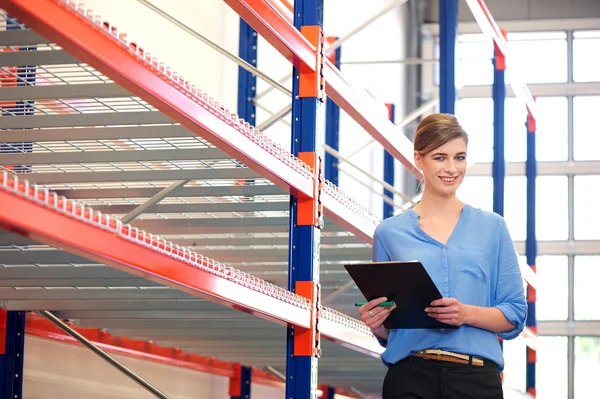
x: 94, y: 141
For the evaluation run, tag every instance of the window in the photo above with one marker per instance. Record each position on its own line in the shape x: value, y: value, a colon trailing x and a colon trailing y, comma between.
x: 587, y: 217
x: 515, y: 362
x: 587, y: 274
x: 552, y: 216
x: 552, y: 302
x: 587, y: 367
x: 552, y: 130
x: 515, y: 131
x: 586, y: 67
x: 476, y: 117
x: 539, y: 57
x: 477, y: 192
x: 552, y: 208
x: 551, y: 368
x: 515, y: 211
x: 586, y: 135
x: 474, y: 53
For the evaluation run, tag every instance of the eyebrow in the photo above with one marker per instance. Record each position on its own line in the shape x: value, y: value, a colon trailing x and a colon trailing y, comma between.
x: 443, y: 154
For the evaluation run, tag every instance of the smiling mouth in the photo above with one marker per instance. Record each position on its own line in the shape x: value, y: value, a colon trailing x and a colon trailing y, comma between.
x: 448, y: 179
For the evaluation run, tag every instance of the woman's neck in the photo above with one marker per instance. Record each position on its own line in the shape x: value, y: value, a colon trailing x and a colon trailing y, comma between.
x: 436, y: 205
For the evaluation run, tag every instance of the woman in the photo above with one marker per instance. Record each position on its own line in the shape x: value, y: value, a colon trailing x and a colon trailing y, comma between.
x: 471, y: 258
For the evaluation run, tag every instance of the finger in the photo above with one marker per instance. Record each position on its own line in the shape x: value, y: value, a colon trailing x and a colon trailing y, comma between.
x: 442, y: 309
x: 379, y: 319
x: 446, y: 319
x: 444, y: 302
x: 382, y: 315
x: 379, y: 309
x: 375, y: 302
x: 371, y: 305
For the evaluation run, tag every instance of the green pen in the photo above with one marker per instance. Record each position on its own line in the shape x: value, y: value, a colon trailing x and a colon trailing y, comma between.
x: 382, y: 304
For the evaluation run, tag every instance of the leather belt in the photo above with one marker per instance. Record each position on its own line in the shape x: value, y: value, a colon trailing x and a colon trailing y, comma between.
x: 447, y: 356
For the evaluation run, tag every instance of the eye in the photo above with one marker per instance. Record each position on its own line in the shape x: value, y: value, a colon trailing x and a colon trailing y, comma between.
x: 461, y: 157
x: 438, y: 158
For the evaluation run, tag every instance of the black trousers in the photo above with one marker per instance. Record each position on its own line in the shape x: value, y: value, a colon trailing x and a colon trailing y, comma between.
x: 418, y: 378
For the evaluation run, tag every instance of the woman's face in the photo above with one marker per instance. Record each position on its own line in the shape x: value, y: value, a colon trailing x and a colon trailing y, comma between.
x: 444, y: 168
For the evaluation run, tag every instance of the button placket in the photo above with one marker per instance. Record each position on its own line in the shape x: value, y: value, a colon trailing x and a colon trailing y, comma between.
x: 445, y: 265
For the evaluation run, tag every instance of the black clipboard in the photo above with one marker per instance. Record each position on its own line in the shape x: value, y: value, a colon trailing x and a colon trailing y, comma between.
x: 407, y: 284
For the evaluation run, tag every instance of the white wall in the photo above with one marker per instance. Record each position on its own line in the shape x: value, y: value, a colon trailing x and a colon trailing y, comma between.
x: 56, y: 370
x: 197, y: 62
x: 382, y: 40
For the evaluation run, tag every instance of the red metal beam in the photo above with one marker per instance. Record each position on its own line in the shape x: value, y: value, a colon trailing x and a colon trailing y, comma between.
x: 273, y: 25
x: 35, y: 214
x: 93, y: 44
x: 348, y: 214
x: 86, y: 39
x: 349, y: 332
x: 99, y: 238
x: 143, y: 350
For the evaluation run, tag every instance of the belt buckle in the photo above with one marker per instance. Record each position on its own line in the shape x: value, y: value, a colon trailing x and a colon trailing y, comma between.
x: 434, y: 354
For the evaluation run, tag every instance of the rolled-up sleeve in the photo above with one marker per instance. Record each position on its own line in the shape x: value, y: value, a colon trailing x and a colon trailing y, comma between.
x: 510, y: 295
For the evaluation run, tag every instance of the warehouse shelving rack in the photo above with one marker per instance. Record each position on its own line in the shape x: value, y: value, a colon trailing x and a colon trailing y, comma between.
x: 98, y: 97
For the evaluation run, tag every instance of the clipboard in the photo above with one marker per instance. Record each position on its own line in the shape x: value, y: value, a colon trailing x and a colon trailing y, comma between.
x: 407, y: 284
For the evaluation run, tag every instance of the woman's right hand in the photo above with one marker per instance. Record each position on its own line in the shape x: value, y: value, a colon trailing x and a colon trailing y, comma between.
x: 374, y: 316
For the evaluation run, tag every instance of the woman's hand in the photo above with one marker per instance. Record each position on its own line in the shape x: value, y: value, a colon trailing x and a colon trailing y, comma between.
x: 449, y: 311
x: 374, y: 316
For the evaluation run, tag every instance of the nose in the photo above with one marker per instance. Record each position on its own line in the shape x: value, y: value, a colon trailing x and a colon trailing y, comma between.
x: 450, y: 167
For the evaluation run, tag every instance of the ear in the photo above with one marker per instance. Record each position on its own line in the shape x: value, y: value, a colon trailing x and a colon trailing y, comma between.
x: 418, y: 160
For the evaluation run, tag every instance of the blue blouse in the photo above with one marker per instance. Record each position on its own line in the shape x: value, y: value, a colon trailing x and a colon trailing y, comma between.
x: 478, y: 266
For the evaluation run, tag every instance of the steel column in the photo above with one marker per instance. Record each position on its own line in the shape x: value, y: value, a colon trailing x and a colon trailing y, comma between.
x: 247, y: 51
x: 499, y: 98
x: 388, y: 169
x: 12, y: 345
x: 448, y: 16
x: 246, y: 80
x: 332, y: 124
x: 304, y: 240
x: 241, y: 383
x: 531, y: 246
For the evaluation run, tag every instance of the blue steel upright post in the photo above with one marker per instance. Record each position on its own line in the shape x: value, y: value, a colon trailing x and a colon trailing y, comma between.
x: 305, y: 218
x: 246, y: 80
x: 332, y: 126
x: 12, y: 345
x: 240, y: 385
x: 499, y: 99
x: 248, y: 51
x: 388, y: 169
x: 448, y: 16
x: 531, y: 247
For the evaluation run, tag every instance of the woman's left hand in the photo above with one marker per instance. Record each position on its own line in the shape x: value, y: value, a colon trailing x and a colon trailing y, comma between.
x: 449, y: 311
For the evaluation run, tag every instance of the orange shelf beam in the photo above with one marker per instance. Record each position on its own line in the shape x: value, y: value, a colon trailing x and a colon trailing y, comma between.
x: 85, y: 36
x: 36, y: 214
x: 273, y: 25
